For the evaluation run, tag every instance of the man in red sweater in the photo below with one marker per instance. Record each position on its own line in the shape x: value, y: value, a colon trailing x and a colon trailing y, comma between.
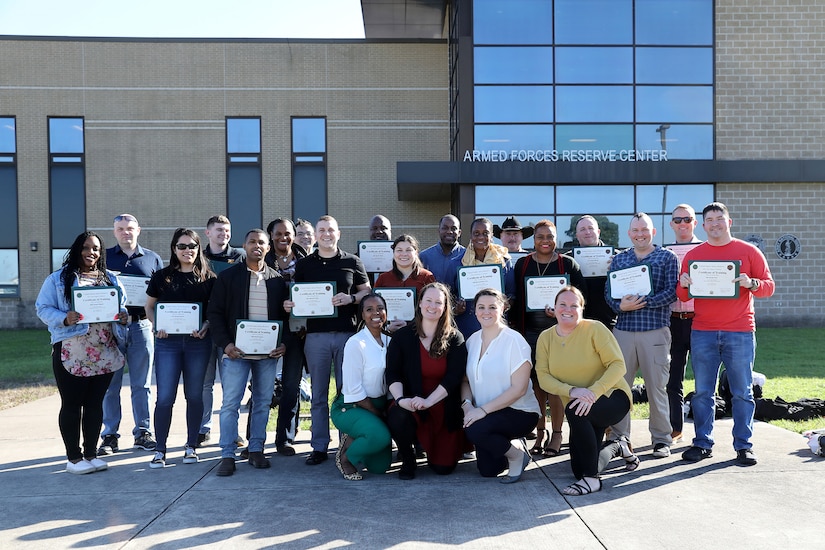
x: 724, y: 332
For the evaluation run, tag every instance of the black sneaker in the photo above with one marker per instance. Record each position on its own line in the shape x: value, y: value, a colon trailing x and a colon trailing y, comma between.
x: 316, y: 457
x: 695, y: 454
x: 109, y: 445
x: 203, y: 439
x: 746, y: 457
x: 146, y: 442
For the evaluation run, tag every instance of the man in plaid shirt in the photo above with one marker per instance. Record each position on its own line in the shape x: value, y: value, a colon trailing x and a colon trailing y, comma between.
x: 643, y: 328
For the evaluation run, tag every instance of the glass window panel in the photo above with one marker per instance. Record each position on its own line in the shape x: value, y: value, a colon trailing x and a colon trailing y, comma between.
x: 674, y: 103
x: 68, y: 204
x: 243, y: 135
x: 509, y: 200
x: 6, y: 159
x: 680, y: 22
x: 512, y: 22
x: 66, y: 135
x: 674, y: 65
x: 662, y: 199
x: 243, y: 159
x: 243, y: 192
x: 681, y: 141
x: 602, y: 137
x: 8, y: 207
x: 67, y: 159
x: 309, y: 159
x: 58, y: 254
x: 513, y: 104
x: 594, y: 21
x: 531, y: 137
x: 9, y: 270
x: 574, y: 199
x: 513, y: 65
x: 309, y: 135
x: 7, y: 133
x: 594, y: 65
x: 594, y: 103
x: 524, y: 220
x: 309, y: 192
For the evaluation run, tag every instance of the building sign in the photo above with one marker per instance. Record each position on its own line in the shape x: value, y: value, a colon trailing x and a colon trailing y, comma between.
x: 568, y: 155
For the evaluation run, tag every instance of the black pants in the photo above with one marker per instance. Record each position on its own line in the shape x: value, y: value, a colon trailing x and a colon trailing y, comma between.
x: 587, y: 432
x: 679, y: 349
x: 81, y: 404
x: 492, y: 435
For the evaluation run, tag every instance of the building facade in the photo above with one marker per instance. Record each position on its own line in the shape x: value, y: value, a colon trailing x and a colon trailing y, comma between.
x: 534, y: 108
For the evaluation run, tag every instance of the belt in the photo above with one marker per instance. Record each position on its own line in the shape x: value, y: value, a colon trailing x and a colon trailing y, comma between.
x: 683, y: 314
x: 137, y: 317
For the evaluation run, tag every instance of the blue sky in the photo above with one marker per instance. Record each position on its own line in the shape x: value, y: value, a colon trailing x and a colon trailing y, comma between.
x: 183, y: 18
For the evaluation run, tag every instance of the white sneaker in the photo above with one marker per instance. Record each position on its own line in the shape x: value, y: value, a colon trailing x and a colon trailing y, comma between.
x: 189, y: 455
x: 159, y: 461
x: 661, y: 450
x: 81, y: 467
x: 99, y: 465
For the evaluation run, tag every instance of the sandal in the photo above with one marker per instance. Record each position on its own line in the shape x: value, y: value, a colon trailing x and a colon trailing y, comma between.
x: 630, y: 459
x: 581, y: 487
x: 537, y: 448
x: 341, y: 461
x: 553, y: 446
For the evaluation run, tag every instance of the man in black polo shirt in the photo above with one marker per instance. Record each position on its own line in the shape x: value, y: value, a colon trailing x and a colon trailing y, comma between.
x: 326, y: 336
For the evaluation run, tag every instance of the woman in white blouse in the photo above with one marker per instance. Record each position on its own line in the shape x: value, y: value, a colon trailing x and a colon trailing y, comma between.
x: 359, y: 410
x: 498, y: 401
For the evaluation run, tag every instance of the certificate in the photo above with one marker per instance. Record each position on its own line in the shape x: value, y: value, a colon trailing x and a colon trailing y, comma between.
x: 594, y: 260
x: 471, y: 279
x: 313, y: 299
x: 400, y: 302
x: 634, y: 280
x: 376, y: 255
x: 516, y: 256
x: 177, y: 317
x: 96, y: 304
x: 257, y: 337
x: 135, y: 287
x: 681, y: 250
x: 541, y: 291
x: 713, y: 279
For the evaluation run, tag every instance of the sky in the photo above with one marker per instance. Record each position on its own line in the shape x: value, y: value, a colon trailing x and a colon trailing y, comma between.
x: 183, y: 18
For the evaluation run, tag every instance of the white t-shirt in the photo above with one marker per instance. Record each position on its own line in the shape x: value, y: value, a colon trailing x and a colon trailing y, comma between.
x: 364, y: 365
x: 489, y: 375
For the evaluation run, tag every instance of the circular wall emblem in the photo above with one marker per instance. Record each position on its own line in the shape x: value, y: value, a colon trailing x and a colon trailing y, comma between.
x: 788, y: 247
x: 756, y: 240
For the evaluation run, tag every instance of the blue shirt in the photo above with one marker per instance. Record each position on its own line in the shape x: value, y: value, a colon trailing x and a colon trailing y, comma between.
x: 664, y: 270
x: 443, y: 266
x: 143, y: 263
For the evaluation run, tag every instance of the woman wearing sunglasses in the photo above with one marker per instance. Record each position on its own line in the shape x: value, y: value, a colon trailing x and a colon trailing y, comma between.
x: 187, y: 279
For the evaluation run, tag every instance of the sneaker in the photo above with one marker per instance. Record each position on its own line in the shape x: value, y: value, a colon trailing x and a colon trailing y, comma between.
x: 746, y: 457
x: 109, y: 445
x: 146, y: 442
x: 99, y: 465
x: 695, y: 454
x: 203, y: 439
x: 159, y: 461
x: 80, y: 467
x: 661, y: 450
x: 286, y: 449
x: 316, y: 457
x: 189, y: 455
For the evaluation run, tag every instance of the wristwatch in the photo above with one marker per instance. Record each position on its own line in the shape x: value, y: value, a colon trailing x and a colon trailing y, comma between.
x: 754, y: 284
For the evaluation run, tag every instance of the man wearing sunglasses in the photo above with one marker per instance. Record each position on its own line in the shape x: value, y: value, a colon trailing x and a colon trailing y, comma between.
x: 129, y: 258
x: 683, y: 222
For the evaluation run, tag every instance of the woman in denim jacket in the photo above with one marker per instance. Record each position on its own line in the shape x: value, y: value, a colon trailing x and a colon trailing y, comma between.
x: 84, y: 355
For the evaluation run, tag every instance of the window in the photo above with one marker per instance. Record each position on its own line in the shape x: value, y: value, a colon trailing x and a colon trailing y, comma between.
x: 594, y: 22
x: 9, y: 254
x: 514, y: 65
x: 67, y: 183
x: 243, y: 175
x: 514, y: 104
x: 309, y: 168
x: 512, y: 22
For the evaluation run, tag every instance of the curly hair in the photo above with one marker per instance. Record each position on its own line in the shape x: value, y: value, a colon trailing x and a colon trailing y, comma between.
x: 73, y: 260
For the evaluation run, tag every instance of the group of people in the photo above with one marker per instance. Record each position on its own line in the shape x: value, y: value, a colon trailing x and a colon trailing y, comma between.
x: 468, y: 372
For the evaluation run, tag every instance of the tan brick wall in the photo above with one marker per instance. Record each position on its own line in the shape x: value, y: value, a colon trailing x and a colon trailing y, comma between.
x: 155, y: 130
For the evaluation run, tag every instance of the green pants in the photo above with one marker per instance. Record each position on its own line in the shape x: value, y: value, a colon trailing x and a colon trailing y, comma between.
x: 371, y: 443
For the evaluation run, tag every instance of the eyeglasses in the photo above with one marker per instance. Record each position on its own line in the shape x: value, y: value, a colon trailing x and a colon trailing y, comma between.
x: 183, y: 246
x: 683, y: 219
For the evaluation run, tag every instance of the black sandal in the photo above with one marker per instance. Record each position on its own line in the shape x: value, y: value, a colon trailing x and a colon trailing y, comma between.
x: 537, y: 447
x: 549, y: 450
x: 630, y: 458
x: 581, y: 487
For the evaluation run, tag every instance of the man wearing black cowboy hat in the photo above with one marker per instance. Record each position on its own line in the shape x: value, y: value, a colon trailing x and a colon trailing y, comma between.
x: 512, y: 234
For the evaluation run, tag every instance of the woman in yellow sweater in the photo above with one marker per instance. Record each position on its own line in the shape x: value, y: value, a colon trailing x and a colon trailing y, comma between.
x: 580, y: 360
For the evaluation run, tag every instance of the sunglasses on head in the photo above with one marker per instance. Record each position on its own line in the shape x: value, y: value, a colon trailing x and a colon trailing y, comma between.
x: 683, y: 219
x: 190, y: 246
x: 125, y: 217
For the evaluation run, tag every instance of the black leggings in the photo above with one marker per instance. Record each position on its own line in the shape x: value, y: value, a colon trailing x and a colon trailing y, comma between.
x: 587, y: 432
x: 81, y: 403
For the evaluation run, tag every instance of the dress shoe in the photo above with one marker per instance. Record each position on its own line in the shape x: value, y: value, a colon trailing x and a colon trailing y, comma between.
x: 286, y: 449
x: 226, y: 467
x: 316, y: 457
x: 258, y: 460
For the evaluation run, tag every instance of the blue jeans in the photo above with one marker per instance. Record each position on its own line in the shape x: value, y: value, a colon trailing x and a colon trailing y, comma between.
x: 139, y: 352
x: 208, y: 385
x: 234, y: 375
x: 323, y: 350
x: 710, y: 349
x: 175, y: 355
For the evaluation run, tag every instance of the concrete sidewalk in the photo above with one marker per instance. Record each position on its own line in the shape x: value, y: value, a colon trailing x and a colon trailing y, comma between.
x: 666, y: 503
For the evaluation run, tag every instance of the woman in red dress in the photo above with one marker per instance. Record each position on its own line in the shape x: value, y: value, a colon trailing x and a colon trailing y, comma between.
x: 425, y: 369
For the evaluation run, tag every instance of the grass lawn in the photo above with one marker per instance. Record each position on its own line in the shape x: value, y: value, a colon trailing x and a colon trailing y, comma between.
x: 790, y: 358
